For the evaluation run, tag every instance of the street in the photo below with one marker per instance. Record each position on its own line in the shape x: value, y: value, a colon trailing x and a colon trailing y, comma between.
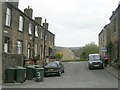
x: 77, y: 75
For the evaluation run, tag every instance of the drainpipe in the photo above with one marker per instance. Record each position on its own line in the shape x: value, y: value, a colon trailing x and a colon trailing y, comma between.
x: 44, y: 42
x: 33, y: 50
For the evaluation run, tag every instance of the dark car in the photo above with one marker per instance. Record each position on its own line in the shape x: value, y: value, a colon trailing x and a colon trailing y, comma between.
x: 54, y: 67
x: 95, y: 61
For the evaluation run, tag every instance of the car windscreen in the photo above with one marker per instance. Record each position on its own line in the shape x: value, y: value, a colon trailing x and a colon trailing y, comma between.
x: 94, y: 57
x: 52, y: 64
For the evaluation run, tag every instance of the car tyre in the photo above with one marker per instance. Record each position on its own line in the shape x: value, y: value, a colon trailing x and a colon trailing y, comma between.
x: 103, y: 66
x: 63, y: 71
x: 90, y: 68
x: 59, y: 73
x: 45, y: 75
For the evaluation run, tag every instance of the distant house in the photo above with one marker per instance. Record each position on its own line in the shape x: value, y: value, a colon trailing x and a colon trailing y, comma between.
x: 67, y: 54
x: 104, y: 39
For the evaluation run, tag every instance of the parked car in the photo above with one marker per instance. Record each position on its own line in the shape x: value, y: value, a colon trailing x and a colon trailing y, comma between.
x: 54, y: 67
x: 95, y: 61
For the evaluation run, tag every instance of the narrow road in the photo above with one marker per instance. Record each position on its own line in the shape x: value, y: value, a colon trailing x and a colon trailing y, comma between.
x: 77, y: 75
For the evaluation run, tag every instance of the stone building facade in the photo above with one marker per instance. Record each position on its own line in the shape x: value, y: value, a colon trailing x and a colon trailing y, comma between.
x: 22, y: 37
x: 112, y: 38
x: 0, y: 44
x: 104, y: 39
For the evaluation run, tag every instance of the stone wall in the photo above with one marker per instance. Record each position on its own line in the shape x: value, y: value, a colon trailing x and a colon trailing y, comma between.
x: 11, y: 60
x: 0, y: 43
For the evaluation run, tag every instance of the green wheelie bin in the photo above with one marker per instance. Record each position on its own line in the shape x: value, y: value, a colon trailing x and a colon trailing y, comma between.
x: 39, y: 74
x: 10, y: 75
x: 35, y: 66
x: 20, y: 74
x: 30, y: 72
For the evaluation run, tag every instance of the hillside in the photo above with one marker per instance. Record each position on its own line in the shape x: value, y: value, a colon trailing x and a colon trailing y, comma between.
x: 71, y: 50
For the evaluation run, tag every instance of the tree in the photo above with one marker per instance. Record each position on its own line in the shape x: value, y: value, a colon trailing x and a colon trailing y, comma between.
x: 58, y: 55
x: 89, y: 49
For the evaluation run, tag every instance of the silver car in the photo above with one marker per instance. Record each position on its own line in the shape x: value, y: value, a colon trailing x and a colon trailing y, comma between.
x: 95, y: 61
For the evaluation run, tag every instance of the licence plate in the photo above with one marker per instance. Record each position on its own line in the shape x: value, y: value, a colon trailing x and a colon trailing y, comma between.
x: 50, y: 69
x: 96, y: 65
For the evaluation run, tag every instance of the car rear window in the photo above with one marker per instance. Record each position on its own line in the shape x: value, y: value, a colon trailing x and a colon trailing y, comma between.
x: 94, y: 57
x: 52, y: 64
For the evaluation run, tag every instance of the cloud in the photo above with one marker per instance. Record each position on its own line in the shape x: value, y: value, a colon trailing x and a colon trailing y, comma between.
x: 74, y: 22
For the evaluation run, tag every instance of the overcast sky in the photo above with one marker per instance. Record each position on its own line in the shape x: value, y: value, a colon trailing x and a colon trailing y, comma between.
x: 74, y: 22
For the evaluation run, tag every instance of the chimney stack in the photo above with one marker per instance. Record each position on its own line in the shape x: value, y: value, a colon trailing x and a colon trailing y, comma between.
x: 118, y: 3
x: 28, y: 11
x: 38, y: 20
x: 45, y: 25
x: 13, y: 2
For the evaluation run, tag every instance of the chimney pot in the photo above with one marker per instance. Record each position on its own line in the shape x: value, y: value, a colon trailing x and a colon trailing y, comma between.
x: 28, y: 11
x: 38, y: 20
x: 45, y: 20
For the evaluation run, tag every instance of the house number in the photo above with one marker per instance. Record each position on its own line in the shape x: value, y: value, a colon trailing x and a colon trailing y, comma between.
x: 38, y: 74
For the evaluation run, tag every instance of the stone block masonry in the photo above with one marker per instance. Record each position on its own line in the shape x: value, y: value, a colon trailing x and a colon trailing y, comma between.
x: 0, y: 43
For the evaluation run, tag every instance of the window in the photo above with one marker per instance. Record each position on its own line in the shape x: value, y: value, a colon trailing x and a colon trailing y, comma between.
x: 28, y: 50
x: 19, y: 47
x: 20, y: 23
x: 6, y: 45
x: 36, y: 31
x: 30, y: 28
x: 41, y: 34
x: 41, y: 51
x: 8, y: 17
x: 36, y: 49
x: 45, y: 37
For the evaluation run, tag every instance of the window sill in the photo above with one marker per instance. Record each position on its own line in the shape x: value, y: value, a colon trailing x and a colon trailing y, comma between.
x: 20, y: 31
x: 115, y: 33
x: 8, y: 26
x: 36, y: 37
x: 30, y: 34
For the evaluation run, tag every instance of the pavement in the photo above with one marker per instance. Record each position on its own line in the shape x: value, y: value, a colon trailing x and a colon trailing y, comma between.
x: 113, y: 71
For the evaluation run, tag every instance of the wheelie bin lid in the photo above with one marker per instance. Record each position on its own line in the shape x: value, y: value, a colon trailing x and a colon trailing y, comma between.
x: 11, y: 68
x: 40, y: 68
x: 36, y: 66
x: 30, y: 66
x: 20, y: 67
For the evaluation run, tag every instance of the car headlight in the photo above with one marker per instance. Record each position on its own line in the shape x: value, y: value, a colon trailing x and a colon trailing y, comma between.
x: 90, y: 62
x: 101, y: 62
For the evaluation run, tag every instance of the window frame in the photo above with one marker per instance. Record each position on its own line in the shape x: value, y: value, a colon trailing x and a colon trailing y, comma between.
x: 21, y: 26
x: 8, y: 17
x: 36, y: 50
x: 29, y: 50
x: 19, y: 47
x: 115, y: 25
x: 7, y: 44
x: 30, y: 28
x: 36, y: 31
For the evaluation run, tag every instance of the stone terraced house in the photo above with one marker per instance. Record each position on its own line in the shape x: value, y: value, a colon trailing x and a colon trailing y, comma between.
x: 109, y: 38
x: 21, y: 37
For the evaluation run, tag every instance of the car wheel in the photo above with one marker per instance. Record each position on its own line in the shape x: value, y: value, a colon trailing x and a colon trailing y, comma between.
x: 59, y: 73
x: 103, y: 66
x: 90, y: 68
x: 63, y: 71
x: 45, y: 75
